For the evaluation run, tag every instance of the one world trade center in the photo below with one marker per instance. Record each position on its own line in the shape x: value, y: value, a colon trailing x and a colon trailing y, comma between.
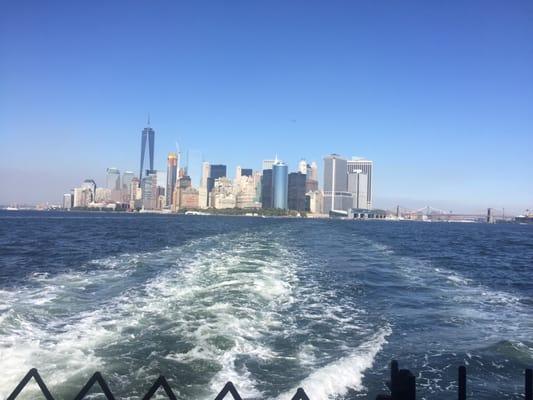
x: 148, y: 135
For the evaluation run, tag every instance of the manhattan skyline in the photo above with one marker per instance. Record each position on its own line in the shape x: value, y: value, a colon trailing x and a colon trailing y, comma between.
x: 439, y: 96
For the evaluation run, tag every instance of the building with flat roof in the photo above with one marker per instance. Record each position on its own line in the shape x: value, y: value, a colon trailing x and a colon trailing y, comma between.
x: 336, y: 194
x: 357, y: 186
x: 149, y: 191
x: 266, y: 189
x: 68, y: 199
x: 296, y: 191
x: 364, y: 166
x: 267, y: 164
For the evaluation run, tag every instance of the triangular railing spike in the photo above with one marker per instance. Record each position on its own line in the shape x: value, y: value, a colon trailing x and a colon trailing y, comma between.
x: 160, y: 382
x: 300, y: 395
x: 32, y: 373
x: 228, y: 387
x: 97, y: 377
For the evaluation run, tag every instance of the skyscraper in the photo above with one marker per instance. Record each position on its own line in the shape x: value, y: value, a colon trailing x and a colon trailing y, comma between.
x: 336, y: 195
x: 239, y: 172
x: 280, y: 185
x: 206, y: 173
x: 68, y: 199
x: 149, y: 191
x: 203, y: 194
x: 314, y: 171
x: 247, y: 172
x: 127, y: 178
x: 311, y: 175
x: 216, y: 171
x: 365, y: 166
x: 172, y: 175
x: 113, y: 179
x: 357, y: 185
x: 267, y: 164
x: 89, y: 184
x: 266, y: 189
x: 148, y: 135
x: 113, y: 185
x: 296, y: 192
x: 135, y: 194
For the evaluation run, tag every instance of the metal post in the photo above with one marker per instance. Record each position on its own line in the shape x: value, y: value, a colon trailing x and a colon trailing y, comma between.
x: 529, y: 384
x: 462, y: 383
x: 412, y: 388
x: 394, y: 376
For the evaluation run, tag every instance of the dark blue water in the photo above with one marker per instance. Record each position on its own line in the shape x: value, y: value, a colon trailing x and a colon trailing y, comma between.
x: 271, y: 304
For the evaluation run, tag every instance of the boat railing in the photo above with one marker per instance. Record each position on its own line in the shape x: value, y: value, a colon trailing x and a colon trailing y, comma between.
x: 402, y: 386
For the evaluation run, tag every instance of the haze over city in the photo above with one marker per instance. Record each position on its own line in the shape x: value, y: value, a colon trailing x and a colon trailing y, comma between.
x: 438, y: 96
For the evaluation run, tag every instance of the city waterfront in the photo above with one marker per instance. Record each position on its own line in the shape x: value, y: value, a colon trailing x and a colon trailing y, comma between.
x: 270, y: 304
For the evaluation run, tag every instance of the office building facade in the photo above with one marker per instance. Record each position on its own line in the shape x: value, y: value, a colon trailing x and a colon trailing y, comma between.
x: 216, y: 171
x: 113, y: 179
x: 172, y: 176
x: 336, y: 194
x: 280, y: 185
x: 247, y: 172
x: 68, y: 200
x: 267, y: 164
x: 296, y: 191
x: 127, y: 179
x: 365, y: 167
x: 357, y: 185
x: 266, y: 189
x: 149, y: 191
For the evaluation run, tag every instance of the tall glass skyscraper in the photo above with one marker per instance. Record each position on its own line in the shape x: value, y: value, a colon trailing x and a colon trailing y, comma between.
x: 148, y: 135
x: 280, y: 184
x: 113, y: 179
x: 172, y: 175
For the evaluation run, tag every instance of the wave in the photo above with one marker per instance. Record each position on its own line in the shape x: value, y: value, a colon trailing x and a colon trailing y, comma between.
x: 468, y: 316
x: 336, y: 378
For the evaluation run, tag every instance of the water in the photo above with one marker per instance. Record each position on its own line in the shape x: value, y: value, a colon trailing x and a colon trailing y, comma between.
x: 270, y: 304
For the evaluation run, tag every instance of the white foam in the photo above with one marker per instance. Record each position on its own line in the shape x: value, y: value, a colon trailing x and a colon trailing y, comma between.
x: 336, y: 378
x: 222, y: 296
x: 52, y: 324
x: 457, y: 279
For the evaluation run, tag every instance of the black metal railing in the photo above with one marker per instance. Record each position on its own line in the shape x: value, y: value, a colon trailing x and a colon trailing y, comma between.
x: 402, y: 386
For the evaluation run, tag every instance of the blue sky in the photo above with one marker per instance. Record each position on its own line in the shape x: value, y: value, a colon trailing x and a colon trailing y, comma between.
x: 438, y: 94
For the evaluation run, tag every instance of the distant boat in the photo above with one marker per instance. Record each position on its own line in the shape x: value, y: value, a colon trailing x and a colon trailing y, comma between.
x: 195, y: 213
x: 11, y: 208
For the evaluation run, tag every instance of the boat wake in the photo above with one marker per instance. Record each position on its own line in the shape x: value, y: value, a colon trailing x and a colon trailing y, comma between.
x: 229, y: 307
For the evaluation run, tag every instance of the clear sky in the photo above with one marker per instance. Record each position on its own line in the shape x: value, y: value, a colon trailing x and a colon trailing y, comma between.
x: 439, y: 94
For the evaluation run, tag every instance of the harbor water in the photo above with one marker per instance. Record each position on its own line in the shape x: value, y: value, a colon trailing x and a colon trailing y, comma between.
x: 271, y: 304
